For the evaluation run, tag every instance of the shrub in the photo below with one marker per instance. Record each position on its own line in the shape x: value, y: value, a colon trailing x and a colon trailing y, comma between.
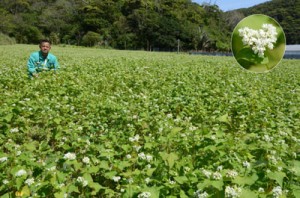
x: 6, y: 40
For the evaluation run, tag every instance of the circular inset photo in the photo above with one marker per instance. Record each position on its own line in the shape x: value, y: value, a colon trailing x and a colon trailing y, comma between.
x: 258, y: 43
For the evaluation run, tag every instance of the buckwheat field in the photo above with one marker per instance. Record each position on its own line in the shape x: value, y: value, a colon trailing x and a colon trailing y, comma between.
x: 146, y: 124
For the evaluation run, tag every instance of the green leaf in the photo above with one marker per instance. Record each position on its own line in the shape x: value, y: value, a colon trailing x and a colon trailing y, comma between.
x: 277, y: 176
x: 25, y: 191
x: 19, y: 182
x: 265, y: 60
x: 150, y: 171
x: 73, y: 188
x: 93, y: 169
x: 7, y: 195
x: 88, y: 177
x: 104, y: 165
x: 245, y: 180
x: 182, y: 194
x: 176, y: 129
x: 296, y: 191
x: 296, y: 168
x: 181, y: 179
x: 110, y: 175
x: 30, y: 146
x: 224, y: 118
x: 170, y: 158
x: 8, y: 117
x: 96, y: 187
x: 248, y: 193
x: 153, y: 190
x: 123, y: 164
x: 60, y: 177
x: 57, y: 121
x: 216, y: 184
x: 59, y: 194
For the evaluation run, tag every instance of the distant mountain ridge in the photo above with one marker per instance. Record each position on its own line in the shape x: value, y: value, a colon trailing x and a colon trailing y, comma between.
x: 285, y: 12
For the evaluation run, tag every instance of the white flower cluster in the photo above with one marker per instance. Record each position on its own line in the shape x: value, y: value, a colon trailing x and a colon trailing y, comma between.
x: 232, y: 174
x: 86, y: 160
x: 82, y: 181
x: 3, y: 159
x: 144, y: 195
x: 246, y: 164
x: 200, y: 194
x: 145, y: 157
x: 21, y: 173
x: 70, y: 156
x: 135, y: 138
x: 260, y: 39
x: 29, y: 181
x: 14, y: 130
x: 261, y: 190
x: 116, y: 178
x: 206, y: 173
x: 277, y: 192
x: 233, y: 192
x: 5, y: 181
x: 217, y: 176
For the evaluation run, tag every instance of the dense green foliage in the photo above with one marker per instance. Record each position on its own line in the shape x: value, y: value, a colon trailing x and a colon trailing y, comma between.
x: 6, y: 40
x: 285, y: 12
x: 123, y: 24
x: 136, y: 24
x: 126, y: 124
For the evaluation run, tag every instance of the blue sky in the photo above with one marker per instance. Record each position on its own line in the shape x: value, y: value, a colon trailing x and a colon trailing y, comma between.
x: 226, y: 5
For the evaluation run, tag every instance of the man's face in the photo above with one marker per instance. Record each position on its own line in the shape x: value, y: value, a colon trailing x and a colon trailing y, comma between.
x: 45, y: 47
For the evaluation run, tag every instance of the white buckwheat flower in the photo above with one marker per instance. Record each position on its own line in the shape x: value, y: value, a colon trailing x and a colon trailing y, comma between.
x: 82, y: 181
x: 246, y: 164
x: 52, y: 168
x: 260, y: 39
x: 14, y: 130
x: 5, y: 181
x: 200, y: 194
x: 142, y: 156
x: 144, y: 195
x: 217, y: 176
x: 172, y: 182
x: 261, y: 190
x: 135, y: 138
x: 232, y: 192
x: 232, y: 174
x: 116, y: 178
x: 277, y: 192
x: 86, y: 160
x: 206, y: 173
x: 128, y: 156
x: 219, y: 168
x: 149, y: 158
x: 29, y: 181
x: 20, y: 173
x: 147, y: 180
x: 3, y: 159
x: 70, y: 156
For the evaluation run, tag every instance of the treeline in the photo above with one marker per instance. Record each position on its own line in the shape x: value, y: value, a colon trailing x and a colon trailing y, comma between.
x: 136, y: 24
x: 285, y: 12
x: 121, y: 24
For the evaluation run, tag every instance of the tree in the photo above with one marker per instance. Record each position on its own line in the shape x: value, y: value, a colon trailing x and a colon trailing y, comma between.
x: 91, y: 39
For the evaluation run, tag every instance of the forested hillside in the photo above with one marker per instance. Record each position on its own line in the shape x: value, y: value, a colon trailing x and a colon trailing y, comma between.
x: 286, y: 12
x: 122, y: 24
x: 136, y: 24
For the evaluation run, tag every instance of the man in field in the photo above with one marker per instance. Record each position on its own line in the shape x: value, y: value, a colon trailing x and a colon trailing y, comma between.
x: 42, y: 60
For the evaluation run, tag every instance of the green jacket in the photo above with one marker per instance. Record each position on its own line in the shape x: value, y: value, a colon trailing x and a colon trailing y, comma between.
x: 38, y: 63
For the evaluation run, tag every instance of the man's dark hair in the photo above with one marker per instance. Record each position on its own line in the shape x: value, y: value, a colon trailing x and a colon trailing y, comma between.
x: 45, y: 41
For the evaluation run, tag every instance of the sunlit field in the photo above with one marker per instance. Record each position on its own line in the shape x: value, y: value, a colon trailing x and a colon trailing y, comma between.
x: 147, y: 124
